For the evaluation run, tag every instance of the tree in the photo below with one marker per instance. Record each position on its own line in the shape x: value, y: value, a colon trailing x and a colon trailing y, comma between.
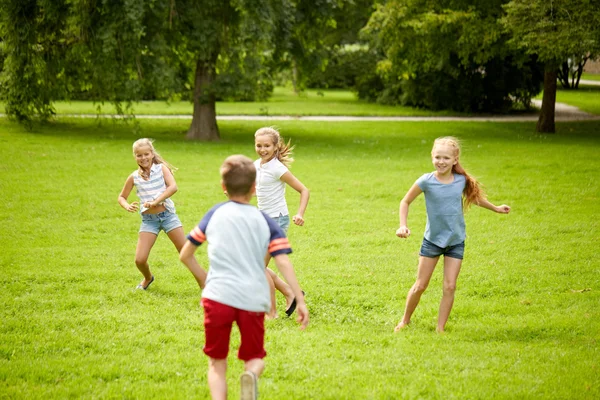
x: 111, y: 49
x: 449, y: 54
x: 555, y: 31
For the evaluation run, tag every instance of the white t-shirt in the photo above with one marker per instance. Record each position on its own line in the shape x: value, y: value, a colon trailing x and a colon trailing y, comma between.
x: 238, y: 237
x: 270, y: 189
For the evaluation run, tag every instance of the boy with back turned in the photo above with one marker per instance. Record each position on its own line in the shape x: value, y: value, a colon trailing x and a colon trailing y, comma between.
x: 236, y: 288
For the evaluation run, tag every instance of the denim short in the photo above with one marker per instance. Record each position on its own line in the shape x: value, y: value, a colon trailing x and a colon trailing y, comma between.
x: 430, y: 250
x: 283, y: 221
x: 153, y: 223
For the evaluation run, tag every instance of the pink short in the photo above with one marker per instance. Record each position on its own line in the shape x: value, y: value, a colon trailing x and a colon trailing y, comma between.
x: 218, y: 320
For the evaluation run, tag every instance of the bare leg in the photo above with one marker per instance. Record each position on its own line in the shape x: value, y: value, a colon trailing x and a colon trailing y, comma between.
x: 451, y: 270
x: 217, y: 378
x: 256, y: 366
x: 272, y: 314
x: 283, y: 287
x: 145, y: 242
x: 249, y: 379
x: 177, y: 237
x: 426, y: 267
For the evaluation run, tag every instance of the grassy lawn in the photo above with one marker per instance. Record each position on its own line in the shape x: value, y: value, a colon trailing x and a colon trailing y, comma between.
x: 311, y: 102
x: 586, y: 98
x: 283, y: 102
x: 526, y: 321
x: 590, y: 77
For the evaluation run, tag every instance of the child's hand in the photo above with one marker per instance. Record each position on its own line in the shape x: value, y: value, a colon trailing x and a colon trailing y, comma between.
x: 133, y: 207
x: 298, y: 220
x: 303, y: 318
x: 403, y: 232
x: 150, y: 204
x: 503, y: 209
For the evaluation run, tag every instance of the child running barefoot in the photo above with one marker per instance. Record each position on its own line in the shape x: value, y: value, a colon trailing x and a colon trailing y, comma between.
x: 448, y: 191
x: 236, y: 289
x: 155, y: 185
x: 272, y: 176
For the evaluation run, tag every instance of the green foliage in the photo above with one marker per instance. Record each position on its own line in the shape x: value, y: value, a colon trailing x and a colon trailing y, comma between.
x: 301, y: 36
x: 131, y: 50
x: 454, y: 48
x: 525, y: 322
x: 344, y: 66
x: 28, y: 77
x: 555, y: 30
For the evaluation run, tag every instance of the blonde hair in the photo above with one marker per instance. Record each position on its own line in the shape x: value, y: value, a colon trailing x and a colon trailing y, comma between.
x: 238, y: 174
x: 473, y: 192
x: 157, y: 159
x: 283, y: 151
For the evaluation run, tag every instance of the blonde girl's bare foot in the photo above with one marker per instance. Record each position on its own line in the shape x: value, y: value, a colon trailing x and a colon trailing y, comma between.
x: 439, y: 330
x: 401, y: 325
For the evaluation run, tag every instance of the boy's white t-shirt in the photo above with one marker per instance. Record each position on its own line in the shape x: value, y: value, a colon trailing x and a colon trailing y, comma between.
x: 270, y: 189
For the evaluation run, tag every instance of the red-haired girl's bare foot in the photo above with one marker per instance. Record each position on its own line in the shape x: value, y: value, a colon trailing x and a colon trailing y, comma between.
x: 401, y: 325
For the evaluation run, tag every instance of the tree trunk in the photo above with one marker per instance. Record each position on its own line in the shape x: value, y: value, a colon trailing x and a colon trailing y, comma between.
x: 295, y: 76
x: 204, y: 120
x: 545, y: 123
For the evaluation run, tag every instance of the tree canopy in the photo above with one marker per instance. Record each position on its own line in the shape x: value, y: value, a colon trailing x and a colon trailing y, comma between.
x: 450, y: 54
x: 555, y: 31
x: 127, y: 50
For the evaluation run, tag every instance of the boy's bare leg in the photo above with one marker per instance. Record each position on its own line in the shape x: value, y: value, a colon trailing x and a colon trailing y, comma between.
x: 217, y: 378
x: 249, y: 379
x: 426, y: 267
x: 256, y: 366
x: 451, y: 270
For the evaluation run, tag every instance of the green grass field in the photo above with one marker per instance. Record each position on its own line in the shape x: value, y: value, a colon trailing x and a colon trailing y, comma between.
x: 590, y: 76
x: 282, y: 102
x: 525, y: 322
x: 586, y: 98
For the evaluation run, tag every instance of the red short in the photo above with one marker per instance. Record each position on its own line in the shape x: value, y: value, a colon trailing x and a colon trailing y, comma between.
x: 218, y: 320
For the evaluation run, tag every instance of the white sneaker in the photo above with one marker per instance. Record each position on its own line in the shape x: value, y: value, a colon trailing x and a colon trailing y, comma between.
x: 249, y: 386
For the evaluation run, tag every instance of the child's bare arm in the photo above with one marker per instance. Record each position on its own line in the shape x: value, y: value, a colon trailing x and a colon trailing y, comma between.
x: 408, y: 198
x: 187, y: 257
x: 287, y: 270
x: 122, y: 199
x: 169, y: 191
x: 295, y: 183
x: 503, y: 209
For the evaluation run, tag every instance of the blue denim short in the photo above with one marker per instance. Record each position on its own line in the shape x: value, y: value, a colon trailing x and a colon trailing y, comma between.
x: 283, y: 221
x: 153, y: 223
x: 430, y: 250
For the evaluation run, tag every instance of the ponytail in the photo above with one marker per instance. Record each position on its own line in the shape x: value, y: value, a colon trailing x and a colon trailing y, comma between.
x: 473, y: 192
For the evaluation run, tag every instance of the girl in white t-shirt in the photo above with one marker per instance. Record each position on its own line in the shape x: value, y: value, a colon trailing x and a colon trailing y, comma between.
x: 272, y: 174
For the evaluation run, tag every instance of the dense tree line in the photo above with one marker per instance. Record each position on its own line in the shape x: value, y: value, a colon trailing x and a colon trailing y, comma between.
x: 464, y: 55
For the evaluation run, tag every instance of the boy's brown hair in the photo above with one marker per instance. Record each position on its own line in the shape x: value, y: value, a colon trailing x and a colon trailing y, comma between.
x: 238, y: 174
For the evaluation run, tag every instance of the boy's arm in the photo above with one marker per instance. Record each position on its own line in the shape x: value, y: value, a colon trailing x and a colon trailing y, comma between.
x: 287, y: 270
x: 503, y: 209
x: 187, y: 257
